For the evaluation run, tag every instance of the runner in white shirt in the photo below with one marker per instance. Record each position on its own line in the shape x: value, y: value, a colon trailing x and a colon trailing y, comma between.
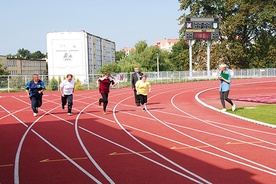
x: 67, y: 89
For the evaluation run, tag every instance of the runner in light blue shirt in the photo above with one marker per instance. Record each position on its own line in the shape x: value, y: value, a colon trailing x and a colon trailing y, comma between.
x: 224, y: 88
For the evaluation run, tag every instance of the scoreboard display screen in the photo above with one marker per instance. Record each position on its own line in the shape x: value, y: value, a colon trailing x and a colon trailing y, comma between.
x: 202, y: 36
x: 202, y: 28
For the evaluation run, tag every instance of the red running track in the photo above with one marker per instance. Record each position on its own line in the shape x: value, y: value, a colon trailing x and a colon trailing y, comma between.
x: 176, y: 141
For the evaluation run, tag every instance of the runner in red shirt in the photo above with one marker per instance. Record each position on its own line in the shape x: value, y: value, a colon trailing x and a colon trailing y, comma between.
x: 104, y: 85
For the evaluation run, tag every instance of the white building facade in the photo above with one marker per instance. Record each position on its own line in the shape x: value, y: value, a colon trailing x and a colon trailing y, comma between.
x: 78, y: 53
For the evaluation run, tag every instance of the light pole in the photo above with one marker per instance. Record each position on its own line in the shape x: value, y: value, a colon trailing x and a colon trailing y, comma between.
x: 157, y: 63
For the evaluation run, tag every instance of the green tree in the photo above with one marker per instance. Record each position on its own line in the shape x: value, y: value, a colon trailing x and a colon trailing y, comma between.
x: 140, y: 46
x: 3, y: 71
x: 23, y: 53
x: 143, y: 57
x: 247, y: 29
x: 37, y: 55
x: 112, y: 68
x: 120, y: 55
x: 179, y: 56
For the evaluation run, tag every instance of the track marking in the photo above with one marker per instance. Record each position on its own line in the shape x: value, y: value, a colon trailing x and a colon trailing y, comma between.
x: 61, y: 160
x: 256, y: 142
x: 243, y: 128
x: 230, y: 114
x: 221, y: 136
x: 188, y: 147
x: 129, y: 153
x: 141, y: 155
x: 228, y: 143
x: 157, y: 153
x: 6, y: 165
x: 16, y: 167
x: 86, y: 151
x: 68, y: 158
x: 23, y: 109
x: 224, y: 151
x: 202, y: 150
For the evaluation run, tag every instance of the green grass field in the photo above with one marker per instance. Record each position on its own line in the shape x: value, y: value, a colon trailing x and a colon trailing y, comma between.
x: 264, y: 113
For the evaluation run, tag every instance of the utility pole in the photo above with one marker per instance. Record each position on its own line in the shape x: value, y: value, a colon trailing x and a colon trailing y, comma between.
x: 157, y: 63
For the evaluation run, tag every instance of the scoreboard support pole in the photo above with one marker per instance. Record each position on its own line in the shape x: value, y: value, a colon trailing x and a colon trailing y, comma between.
x: 208, y: 58
x: 200, y: 28
x: 191, y: 58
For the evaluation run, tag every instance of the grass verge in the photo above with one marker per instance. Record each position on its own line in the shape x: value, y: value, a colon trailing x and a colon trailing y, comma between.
x: 264, y: 113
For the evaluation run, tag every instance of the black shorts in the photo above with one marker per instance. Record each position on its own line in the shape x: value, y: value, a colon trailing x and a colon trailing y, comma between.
x: 143, y: 99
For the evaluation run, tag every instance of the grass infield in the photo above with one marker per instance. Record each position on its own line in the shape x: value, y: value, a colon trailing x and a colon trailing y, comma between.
x: 264, y: 113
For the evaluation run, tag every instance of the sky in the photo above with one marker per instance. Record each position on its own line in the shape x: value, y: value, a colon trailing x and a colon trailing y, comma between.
x: 25, y: 23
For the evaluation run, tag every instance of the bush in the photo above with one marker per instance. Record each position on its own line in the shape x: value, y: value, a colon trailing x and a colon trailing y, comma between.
x: 78, y: 85
x: 53, y: 84
x: 17, y: 83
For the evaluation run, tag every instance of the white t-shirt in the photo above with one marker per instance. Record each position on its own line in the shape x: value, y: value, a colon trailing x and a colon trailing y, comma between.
x: 67, y: 87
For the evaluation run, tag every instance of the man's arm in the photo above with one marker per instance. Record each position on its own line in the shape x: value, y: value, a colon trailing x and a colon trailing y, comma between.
x: 42, y: 87
x: 27, y: 87
x: 132, y: 81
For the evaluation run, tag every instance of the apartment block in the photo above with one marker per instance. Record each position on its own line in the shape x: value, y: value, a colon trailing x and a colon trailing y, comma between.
x: 166, y: 44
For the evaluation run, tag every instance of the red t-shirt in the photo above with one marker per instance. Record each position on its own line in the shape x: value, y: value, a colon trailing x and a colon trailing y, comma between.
x: 105, y: 84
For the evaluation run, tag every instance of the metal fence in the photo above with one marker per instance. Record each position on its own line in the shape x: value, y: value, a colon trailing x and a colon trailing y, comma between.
x: 17, y: 82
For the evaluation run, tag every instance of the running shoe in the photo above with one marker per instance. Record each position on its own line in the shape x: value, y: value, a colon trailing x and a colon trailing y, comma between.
x: 233, y: 107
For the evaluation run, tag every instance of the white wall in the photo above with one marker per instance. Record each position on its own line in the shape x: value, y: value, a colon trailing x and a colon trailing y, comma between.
x: 67, y: 53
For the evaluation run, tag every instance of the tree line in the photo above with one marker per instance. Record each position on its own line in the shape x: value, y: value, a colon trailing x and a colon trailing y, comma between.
x: 247, y: 39
x: 26, y: 54
x: 247, y: 32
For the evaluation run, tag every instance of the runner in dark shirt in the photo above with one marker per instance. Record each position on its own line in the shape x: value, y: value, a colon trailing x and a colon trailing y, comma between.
x: 34, y: 89
x: 104, y: 85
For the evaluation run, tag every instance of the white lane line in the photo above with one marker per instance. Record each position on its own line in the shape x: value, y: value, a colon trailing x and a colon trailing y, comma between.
x: 229, y: 114
x: 222, y: 136
x: 181, y: 126
x: 85, y: 150
x: 243, y: 128
x: 152, y: 150
x: 12, y: 113
x: 141, y: 155
x: 68, y: 158
x: 224, y: 151
x: 16, y: 162
x: 16, y: 166
x: 186, y: 116
x: 213, y: 122
x: 125, y: 147
x: 199, y: 149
